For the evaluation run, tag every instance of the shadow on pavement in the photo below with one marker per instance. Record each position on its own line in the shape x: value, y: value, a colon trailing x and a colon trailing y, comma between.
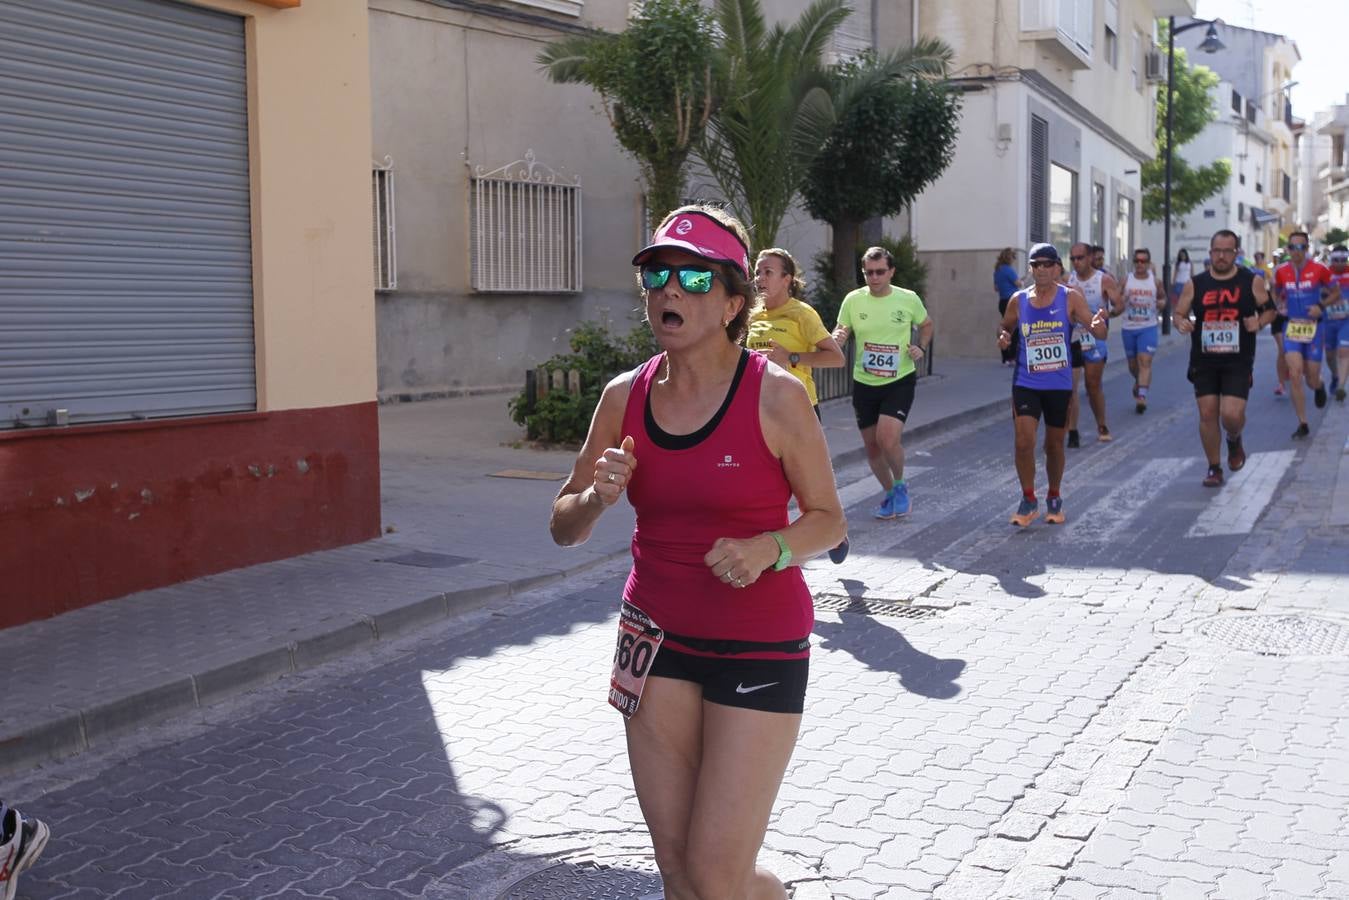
x: 881, y: 647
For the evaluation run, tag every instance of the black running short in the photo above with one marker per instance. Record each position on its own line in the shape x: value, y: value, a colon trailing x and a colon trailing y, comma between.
x: 1225, y: 380
x: 1276, y: 327
x: 1053, y: 405
x: 768, y: 685
x: 894, y: 399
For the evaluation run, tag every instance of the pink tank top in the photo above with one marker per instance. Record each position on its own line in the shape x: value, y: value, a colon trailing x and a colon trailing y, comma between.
x: 689, y: 490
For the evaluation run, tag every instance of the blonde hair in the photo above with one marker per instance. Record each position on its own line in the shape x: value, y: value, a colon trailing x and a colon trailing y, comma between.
x: 737, y: 282
x: 797, y: 290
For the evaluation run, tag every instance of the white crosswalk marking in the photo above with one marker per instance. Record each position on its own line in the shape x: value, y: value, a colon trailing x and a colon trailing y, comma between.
x: 1106, y: 520
x: 1237, y: 505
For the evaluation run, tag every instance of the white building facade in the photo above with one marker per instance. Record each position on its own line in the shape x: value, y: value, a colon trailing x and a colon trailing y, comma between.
x: 1242, y: 135
x: 1058, y: 119
x: 1323, y: 190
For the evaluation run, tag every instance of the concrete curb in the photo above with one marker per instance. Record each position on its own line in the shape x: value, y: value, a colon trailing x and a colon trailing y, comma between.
x: 74, y: 732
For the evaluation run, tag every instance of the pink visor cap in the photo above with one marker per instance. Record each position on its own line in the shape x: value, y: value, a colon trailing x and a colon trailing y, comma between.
x: 701, y: 235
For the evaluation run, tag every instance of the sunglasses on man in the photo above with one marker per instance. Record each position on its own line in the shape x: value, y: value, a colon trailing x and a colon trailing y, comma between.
x: 693, y: 279
x: 1042, y: 263
x: 1297, y: 246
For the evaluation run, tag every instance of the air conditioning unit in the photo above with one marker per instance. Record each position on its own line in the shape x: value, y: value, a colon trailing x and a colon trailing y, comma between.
x: 1154, y: 66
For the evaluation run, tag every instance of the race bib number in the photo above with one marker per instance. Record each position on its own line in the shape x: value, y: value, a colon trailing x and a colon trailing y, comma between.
x: 881, y: 360
x: 1300, y: 330
x: 1085, y: 339
x: 1339, y: 310
x: 1220, y: 337
x: 1046, y: 353
x: 1141, y: 314
x: 638, y: 641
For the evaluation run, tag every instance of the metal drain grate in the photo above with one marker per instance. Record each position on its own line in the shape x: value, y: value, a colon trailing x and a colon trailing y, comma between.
x: 898, y: 609
x: 586, y: 876
x: 1290, y: 635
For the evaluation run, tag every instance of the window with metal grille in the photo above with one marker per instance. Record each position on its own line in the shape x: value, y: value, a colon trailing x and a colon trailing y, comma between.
x: 526, y: 230
x: 1236, y: 102
x: 1039, y: 179
x: 381, y: 202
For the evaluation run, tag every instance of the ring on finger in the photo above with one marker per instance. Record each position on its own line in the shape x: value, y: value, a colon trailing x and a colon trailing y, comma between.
x: 611, y: 476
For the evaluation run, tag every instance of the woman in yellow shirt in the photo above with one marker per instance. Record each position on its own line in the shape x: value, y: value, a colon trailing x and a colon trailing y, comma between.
x: 786, y: 329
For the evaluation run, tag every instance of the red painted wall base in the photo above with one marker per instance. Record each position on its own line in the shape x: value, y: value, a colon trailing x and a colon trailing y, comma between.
x: 95, y: 512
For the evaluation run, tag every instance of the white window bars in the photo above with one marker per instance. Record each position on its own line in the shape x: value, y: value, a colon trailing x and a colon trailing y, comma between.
x: 381, y: 201
x: 526, y: 230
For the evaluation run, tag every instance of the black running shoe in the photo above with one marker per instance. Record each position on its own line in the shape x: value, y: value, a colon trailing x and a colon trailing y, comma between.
x: 1320, y: 397
x: 840, y: 553
x: 1074, y: 439
x: 1302, y: 431
x: 1236, y: 454
x: 1214, y: 478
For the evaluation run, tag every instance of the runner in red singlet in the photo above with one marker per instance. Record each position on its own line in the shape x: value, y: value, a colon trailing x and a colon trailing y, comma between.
x: 709, y: 441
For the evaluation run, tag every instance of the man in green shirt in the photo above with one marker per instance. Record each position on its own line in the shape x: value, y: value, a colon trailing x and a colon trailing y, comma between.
x: 882, y: 318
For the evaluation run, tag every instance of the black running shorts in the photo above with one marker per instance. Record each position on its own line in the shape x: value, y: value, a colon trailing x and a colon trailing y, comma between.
x: 768, y: 685
x: 1053, y: 405
x: 1225, y: 380
x: 1276, y: 327
x: 1075, y: 355
x: 894, y: 399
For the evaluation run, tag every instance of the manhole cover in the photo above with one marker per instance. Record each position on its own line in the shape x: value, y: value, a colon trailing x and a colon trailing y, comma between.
x: 423, y: 560
x: 899, y: 609
x: 588, y: 876
x: 1290, y: 635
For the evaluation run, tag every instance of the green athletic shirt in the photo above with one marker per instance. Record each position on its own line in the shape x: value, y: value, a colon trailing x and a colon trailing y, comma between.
x: 794, y: 325
x: 882, y: 329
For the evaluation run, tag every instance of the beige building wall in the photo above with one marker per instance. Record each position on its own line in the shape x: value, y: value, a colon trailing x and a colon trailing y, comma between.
x: 310, y: 169
x: 454, y: 91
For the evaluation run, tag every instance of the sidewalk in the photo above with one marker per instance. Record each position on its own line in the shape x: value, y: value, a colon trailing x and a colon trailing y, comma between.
x: 465, y: 513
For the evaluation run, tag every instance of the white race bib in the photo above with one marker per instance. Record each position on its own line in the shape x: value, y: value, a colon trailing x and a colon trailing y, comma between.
x: 638, y: 642
x: 1339, y: 310
x: 1141, y: 314
x: 881, y: 360
x: 1085, y: 339
x: 1220, y: 337
x: 1046, y: 353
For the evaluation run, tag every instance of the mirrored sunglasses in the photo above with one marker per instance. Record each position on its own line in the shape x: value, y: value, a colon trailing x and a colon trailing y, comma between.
x: 1297, y: 246
x: 694, y: 279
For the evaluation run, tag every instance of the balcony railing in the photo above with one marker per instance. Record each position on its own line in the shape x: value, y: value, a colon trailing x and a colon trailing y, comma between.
x: 1064, y: 26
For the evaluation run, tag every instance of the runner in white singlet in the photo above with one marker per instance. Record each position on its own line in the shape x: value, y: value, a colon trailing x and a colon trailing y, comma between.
x: 1102, y: 292
x: 1144, y: 296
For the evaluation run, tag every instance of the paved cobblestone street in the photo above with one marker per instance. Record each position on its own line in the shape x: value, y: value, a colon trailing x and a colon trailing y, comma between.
x: 1074, y: 711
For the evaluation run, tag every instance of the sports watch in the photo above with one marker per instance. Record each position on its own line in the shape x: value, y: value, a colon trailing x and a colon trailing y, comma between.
x: 784, y: 552
x: 794, y: 359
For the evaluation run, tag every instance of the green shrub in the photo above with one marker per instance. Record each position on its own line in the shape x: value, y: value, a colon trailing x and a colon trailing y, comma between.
x: 827, y: 293
x: 598, y: 355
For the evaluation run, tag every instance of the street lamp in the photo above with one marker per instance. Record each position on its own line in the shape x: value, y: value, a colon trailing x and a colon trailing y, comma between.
x: 1211, y: 44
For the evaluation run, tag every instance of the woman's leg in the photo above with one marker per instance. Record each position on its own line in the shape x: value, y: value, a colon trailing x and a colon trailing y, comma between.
x: 744, y: 755
x: 665, y: 750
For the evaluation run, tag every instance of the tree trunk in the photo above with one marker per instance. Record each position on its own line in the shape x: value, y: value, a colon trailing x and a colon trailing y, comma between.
x: 846, y: 275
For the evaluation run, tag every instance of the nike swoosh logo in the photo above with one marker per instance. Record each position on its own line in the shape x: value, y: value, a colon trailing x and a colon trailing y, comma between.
x: 741, y: 689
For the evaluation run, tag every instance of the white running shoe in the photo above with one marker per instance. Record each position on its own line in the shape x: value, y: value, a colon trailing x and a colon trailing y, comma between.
x: 21, y: 843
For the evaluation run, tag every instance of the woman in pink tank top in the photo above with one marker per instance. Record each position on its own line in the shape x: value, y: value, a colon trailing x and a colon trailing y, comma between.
x: 710, y: 443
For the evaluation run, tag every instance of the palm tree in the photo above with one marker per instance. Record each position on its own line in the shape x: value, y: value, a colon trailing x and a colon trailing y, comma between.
x: 655, y: 81
x: 776, y: 111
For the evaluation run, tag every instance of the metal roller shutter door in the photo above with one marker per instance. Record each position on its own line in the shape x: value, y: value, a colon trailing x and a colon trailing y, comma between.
x: 126, y: 275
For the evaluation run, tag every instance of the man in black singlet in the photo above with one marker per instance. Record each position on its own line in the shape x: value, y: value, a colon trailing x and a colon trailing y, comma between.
x: 1230, y: 306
